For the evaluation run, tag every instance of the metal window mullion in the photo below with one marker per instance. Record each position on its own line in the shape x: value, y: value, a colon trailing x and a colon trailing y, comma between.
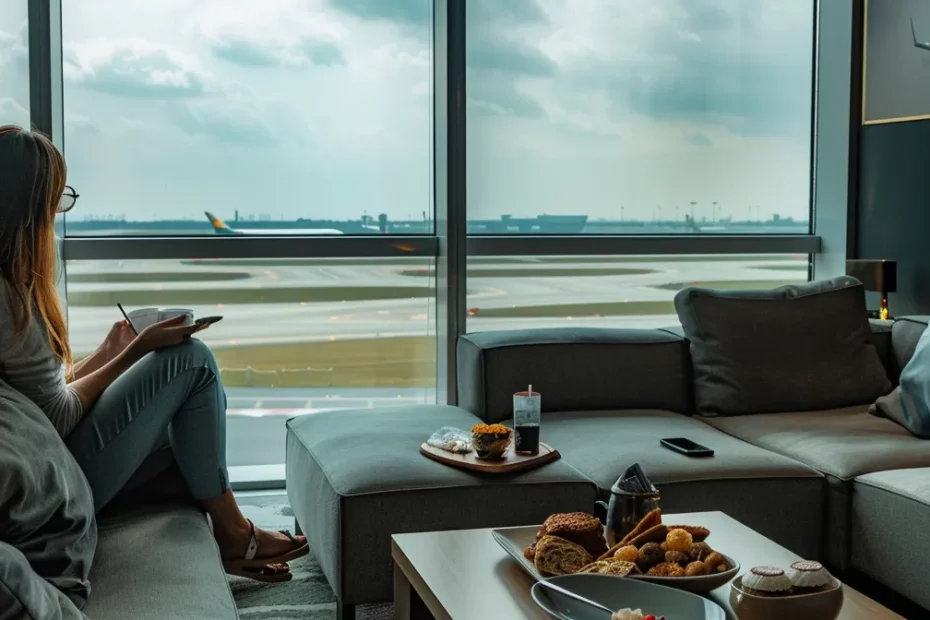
x: 181, y: 248
x: 449, y: 187
x: 641, y: 245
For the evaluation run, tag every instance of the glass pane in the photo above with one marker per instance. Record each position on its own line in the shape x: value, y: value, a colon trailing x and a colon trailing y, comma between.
x: 14, y: 63
x: 608, y: 291
x: 297, y: 336
x: 278, y: 117
x: 639, y: 116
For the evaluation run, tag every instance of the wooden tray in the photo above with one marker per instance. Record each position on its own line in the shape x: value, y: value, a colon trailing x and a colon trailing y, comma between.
x: 512, y: 462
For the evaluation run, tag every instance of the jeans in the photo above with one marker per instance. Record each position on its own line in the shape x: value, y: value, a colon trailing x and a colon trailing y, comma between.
x: 172, y: 397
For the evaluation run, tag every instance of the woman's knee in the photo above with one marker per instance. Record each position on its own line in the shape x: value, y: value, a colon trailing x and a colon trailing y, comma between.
x: 192, y: 350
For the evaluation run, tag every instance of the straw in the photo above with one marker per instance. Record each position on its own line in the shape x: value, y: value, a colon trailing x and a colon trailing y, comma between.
x: 529, y: 390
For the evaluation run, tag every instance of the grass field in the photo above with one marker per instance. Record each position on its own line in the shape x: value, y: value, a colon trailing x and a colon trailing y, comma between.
x: 251, y: 295
x: 516, y: 272
x: 606, y: 308
x: 730, y: 284
x: 143, y: 277
x: 381, y: 362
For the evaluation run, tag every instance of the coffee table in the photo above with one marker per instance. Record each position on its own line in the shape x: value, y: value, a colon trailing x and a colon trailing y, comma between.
x: 466, y: 575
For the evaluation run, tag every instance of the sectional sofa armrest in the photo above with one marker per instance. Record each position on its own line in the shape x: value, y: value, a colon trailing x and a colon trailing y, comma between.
x: 905, y: 332
x: 575, y: 369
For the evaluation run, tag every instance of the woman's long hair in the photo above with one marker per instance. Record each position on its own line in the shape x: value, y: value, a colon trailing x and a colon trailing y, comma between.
x: 32, y: 181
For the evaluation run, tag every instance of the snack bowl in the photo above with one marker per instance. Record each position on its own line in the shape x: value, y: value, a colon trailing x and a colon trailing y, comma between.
x: 490, y: 441
x: 823, y: 605
x: 701, y: 584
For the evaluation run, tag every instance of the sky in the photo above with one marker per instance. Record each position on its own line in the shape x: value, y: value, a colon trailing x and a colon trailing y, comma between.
x: 323, y: 108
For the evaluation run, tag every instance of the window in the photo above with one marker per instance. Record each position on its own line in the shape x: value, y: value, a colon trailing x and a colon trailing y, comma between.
x: 639, y: 116
x: 14, y: 63
x: 292, y: 116
x: 298, y: 335
x: 516, y: 292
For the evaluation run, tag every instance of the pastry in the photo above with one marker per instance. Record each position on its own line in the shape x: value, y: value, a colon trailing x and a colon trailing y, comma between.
x: 628, y: 553
x: 766, y: 581
x: 696, y: 569
x: 656, y: 534
x: 699, y: 551
x: 717, y: 563
x: 678, y: 557
x: 557, y: 556
x: 530, y: 552
x: 650, y: 555
x: 652, y: 519
x: 697, y: 532
x: 607, y: 567
x: 666, y: 569
x: 807, y: 577
x: 577, y: 527
x: 678, y: 540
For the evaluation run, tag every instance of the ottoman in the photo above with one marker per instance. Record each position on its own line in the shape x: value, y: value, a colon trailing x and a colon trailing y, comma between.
x: 356, y: 477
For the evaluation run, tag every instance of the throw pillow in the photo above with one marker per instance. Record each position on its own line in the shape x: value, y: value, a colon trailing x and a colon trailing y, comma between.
x: 909, y: 403
x: 26, y: 596
x: 46, y: 505
x: 793, y: 348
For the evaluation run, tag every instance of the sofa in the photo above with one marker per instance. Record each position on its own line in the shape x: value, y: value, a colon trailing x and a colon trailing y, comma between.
x: 833, y: 483
x: 156, y: 557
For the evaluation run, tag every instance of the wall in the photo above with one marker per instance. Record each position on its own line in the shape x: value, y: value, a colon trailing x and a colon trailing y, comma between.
x: 893, y: 218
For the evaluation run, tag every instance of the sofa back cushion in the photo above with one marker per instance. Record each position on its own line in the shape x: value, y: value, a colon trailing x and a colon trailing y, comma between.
x: 792, y: 348
x: 575, y: 369
x: 46, y: 505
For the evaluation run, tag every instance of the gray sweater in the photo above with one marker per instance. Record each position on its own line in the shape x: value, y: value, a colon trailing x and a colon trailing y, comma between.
x: 30, y: 367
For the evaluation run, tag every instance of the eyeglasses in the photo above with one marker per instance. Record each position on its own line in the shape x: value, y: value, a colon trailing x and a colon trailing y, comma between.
x: 68, y: 199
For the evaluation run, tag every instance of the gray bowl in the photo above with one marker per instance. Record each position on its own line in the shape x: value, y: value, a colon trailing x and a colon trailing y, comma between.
x: 617, y: 594
x: 825, y: 605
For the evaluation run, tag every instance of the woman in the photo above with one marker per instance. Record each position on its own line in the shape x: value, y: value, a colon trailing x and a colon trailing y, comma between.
x: 135, y: 394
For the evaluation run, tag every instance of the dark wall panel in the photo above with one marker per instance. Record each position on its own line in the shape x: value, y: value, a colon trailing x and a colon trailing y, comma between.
x: 894, y: 207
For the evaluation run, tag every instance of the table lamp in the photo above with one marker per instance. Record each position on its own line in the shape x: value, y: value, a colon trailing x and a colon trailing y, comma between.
x: 877, y: 275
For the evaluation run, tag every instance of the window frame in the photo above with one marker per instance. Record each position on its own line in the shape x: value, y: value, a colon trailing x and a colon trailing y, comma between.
x: 450, y: 245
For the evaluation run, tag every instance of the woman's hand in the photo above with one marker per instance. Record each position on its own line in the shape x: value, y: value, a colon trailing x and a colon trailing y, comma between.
x: 120, y: 337
x: 165, y: 334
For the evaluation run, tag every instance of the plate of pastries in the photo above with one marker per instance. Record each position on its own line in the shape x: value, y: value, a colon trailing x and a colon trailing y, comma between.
x: 675, y: 555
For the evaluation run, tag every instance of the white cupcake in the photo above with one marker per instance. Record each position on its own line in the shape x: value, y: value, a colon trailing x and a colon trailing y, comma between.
x: 766, y: 580
x: 808, y: 576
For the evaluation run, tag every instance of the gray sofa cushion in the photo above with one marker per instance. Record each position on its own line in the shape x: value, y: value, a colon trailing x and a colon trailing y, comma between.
x: 905, y: 333
x: 842, y: 442
x: 575, y: 369
x: 354, y: 478
x: 26, y: 596
x: 888, y: 511
x: 792, y: 348
x: 762, y: 489
x: 909, y: 404
x: 159, y: 563
x: 46, y: 506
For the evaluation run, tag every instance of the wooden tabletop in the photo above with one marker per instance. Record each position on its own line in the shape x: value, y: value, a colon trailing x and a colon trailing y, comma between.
x: 466, y: 575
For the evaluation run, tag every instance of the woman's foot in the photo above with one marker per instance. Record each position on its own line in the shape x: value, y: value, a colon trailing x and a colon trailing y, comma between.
x: 234, y: 545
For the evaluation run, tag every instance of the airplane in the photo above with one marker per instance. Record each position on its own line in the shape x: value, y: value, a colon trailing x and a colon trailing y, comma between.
x: 221, y: 228
x: 923, y: 45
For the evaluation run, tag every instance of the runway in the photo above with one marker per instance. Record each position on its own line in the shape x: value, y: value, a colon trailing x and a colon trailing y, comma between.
x: 257, y: 415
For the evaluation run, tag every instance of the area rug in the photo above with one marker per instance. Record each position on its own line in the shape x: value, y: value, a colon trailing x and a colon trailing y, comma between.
x: 306, y: 597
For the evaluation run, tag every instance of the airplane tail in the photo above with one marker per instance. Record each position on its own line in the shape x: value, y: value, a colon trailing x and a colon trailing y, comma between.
x: 219, y: 226
x: 913, y: 31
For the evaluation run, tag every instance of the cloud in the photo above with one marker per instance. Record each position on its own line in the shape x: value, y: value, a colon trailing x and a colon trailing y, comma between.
x: 699, y: 139
x: 12, y: 111
x: 493, y: 51
x: 237, y: 117
x: 411, y: 12
x: 134, y: 68
x: 14, y: 47
x: 498, y: 96
x: 266, y: 54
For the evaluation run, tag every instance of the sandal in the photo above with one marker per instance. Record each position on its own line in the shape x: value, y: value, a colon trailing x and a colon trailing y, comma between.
x: 267, y: 573
x: 253, y: 565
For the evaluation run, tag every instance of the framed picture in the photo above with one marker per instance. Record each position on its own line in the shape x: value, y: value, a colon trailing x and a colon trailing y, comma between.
x: 896, y: 61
